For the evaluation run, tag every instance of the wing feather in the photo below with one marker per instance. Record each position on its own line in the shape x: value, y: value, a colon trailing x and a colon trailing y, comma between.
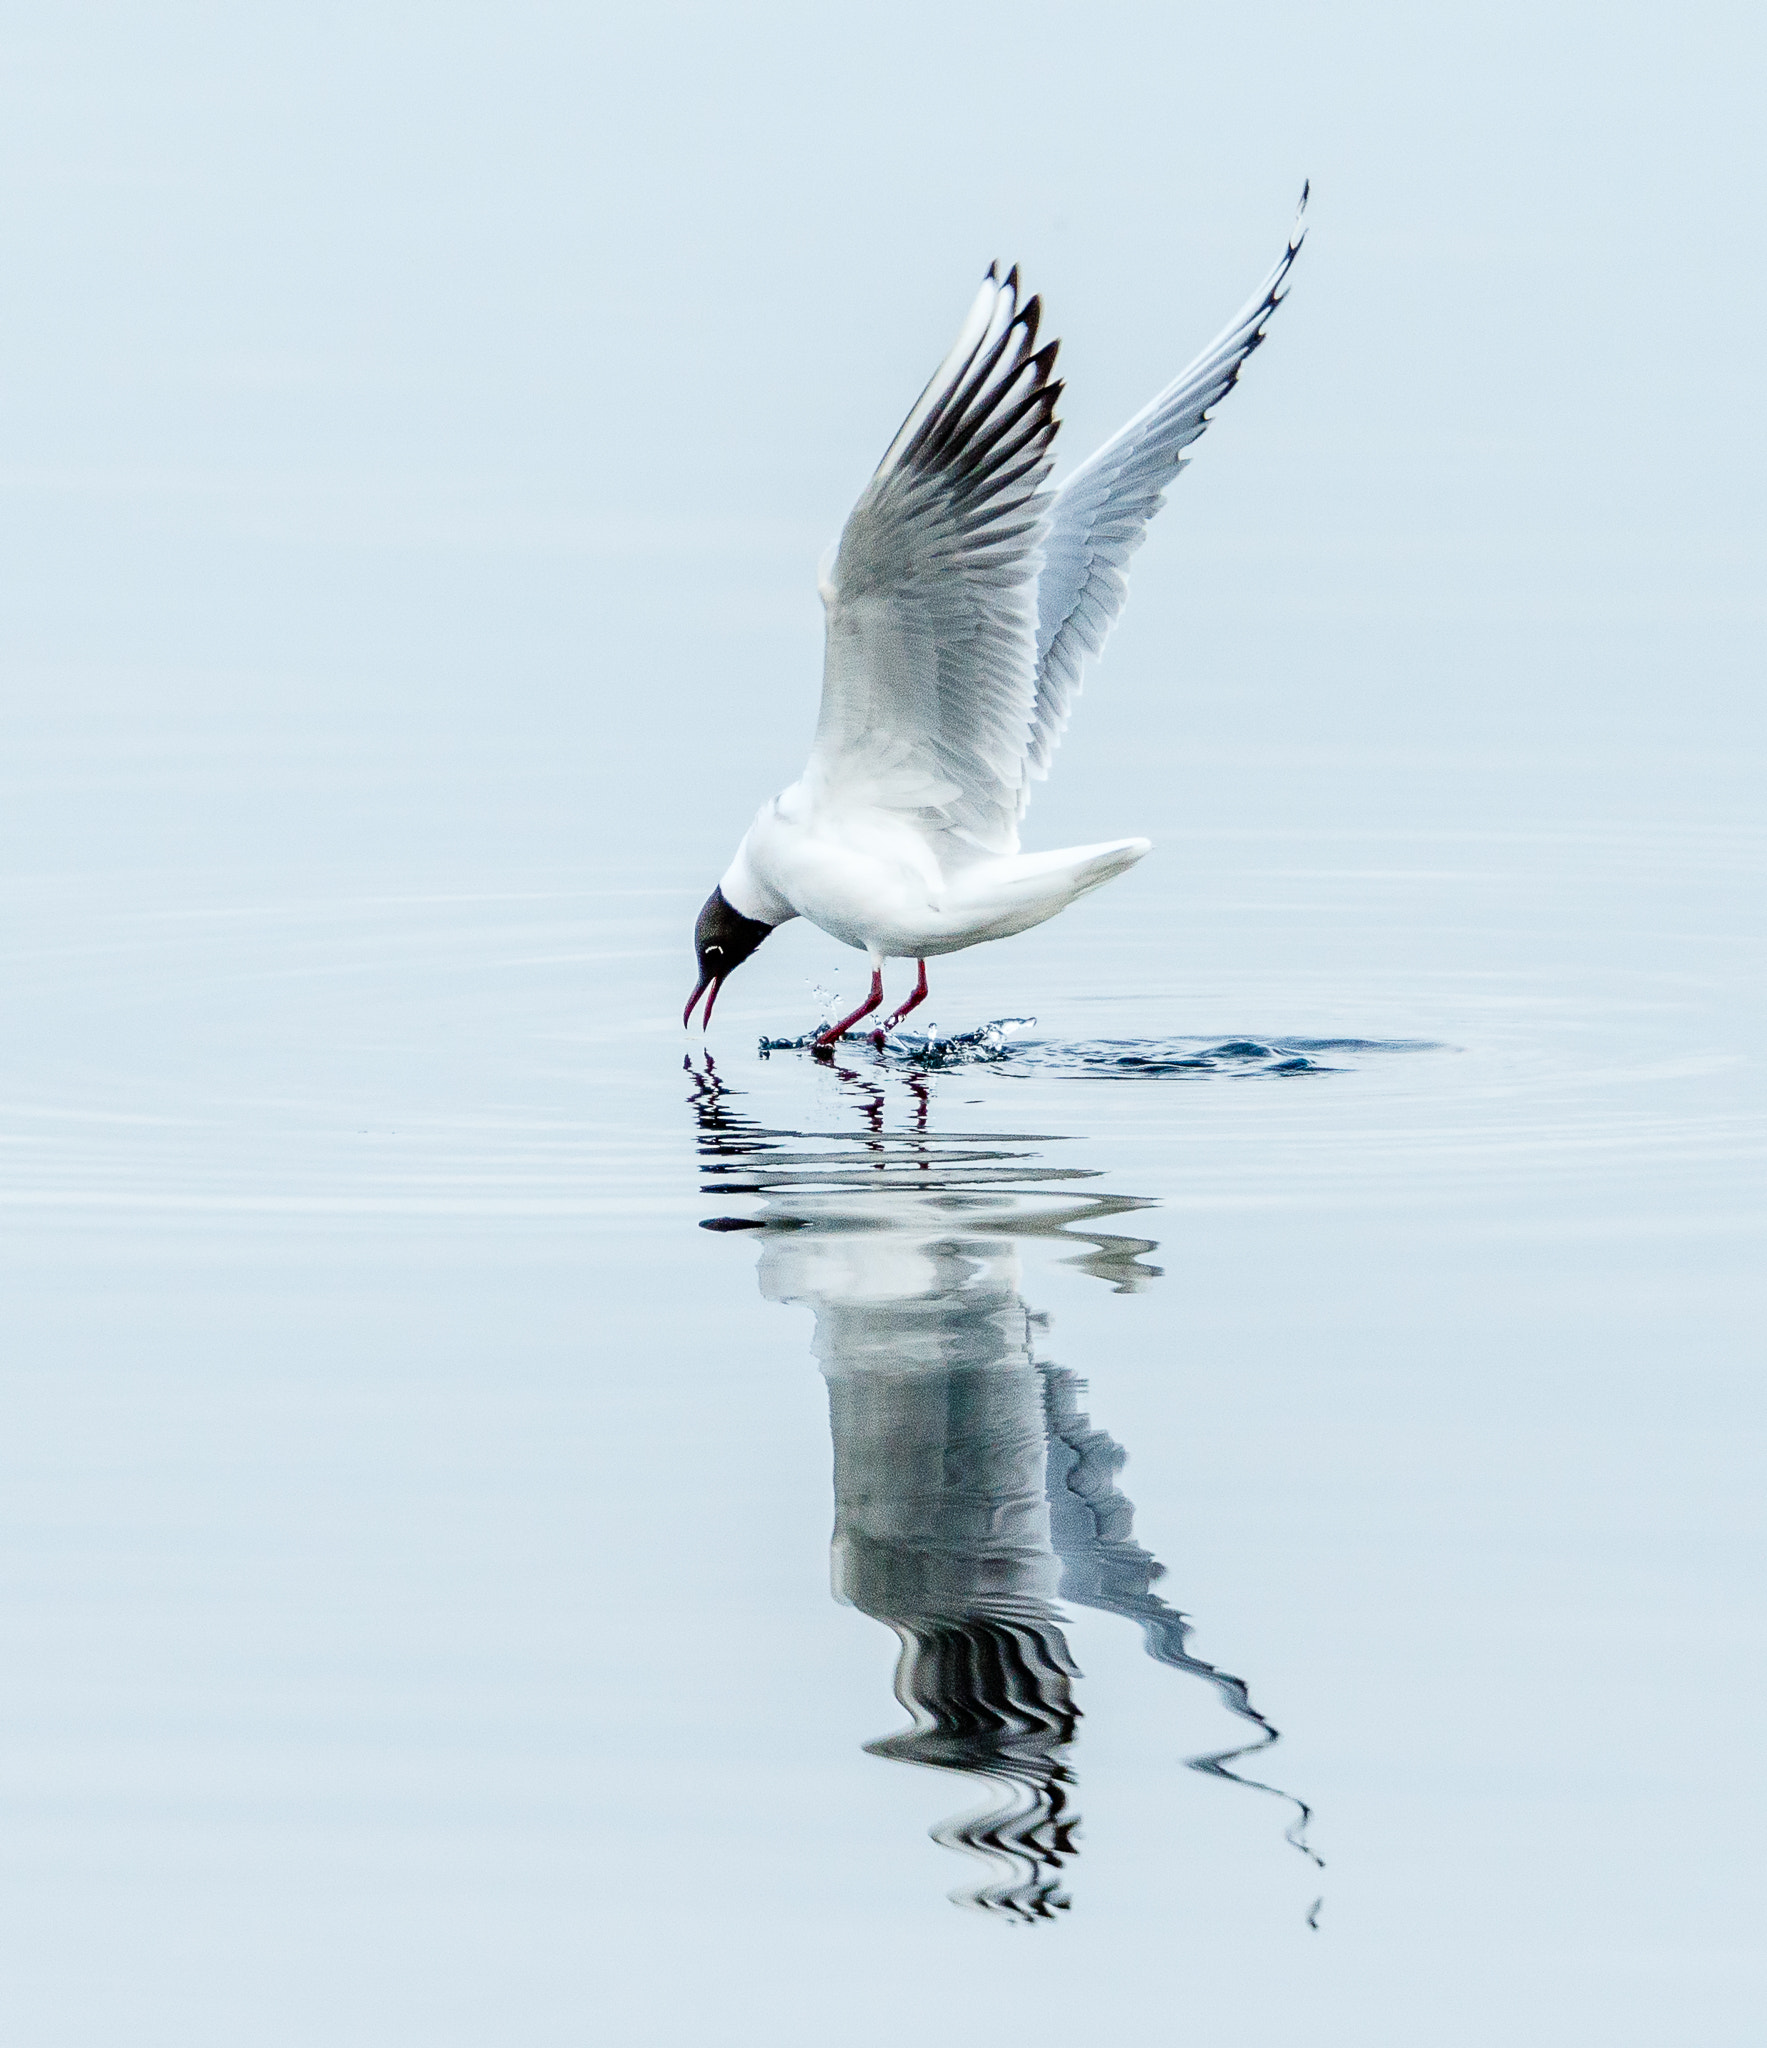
x: 929, y: 676
x: 1099, y: 515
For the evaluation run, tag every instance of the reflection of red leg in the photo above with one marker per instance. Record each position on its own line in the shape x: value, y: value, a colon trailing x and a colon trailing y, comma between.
x: 864, y: 1010
x: 913, y: 1003
x: 922, y: 1097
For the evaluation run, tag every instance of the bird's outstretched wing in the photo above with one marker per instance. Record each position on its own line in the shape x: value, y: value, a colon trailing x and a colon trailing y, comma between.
x: 1100, y: 513
x: 930, y: 675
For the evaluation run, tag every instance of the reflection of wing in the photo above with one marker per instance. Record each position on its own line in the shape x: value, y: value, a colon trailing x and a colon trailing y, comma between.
x: 930, y: 672
x: 1100, y: 514
x: 1092, y: 1527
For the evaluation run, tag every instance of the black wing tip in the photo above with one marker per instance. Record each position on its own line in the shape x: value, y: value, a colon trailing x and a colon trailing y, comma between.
x: 996, y: 404
x: 1274, y: 295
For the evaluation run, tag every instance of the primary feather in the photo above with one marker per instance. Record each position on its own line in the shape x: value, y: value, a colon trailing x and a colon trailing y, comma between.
x: 1100, y: 514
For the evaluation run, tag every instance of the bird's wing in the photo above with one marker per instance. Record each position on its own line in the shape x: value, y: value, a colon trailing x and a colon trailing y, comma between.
x: 1100, y: 513
x: 930, y: 674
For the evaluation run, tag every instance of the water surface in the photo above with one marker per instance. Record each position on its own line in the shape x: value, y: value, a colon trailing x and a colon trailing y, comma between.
x: 556, y: 1520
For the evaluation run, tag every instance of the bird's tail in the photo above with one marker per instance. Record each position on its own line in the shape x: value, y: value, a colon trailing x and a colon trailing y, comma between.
x: 1022, y: 889
x: 1088, y: 866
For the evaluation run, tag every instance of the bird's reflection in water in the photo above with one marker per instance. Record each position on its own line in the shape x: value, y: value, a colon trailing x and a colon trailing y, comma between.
x: 972, y: 1494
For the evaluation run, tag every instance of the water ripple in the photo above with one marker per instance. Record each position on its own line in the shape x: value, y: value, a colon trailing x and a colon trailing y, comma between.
x: 1004, y: 1046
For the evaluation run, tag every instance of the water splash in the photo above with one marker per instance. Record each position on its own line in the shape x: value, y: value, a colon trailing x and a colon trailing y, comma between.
x: 1004, y: 1045
x: 926, y: 1050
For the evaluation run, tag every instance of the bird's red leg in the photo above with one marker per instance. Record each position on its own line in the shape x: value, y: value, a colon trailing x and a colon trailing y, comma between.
x: 913, y: 1003
x: 865, y: 1009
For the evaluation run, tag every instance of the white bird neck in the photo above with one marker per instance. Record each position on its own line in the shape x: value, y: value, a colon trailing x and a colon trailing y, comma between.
x: 750, y: 896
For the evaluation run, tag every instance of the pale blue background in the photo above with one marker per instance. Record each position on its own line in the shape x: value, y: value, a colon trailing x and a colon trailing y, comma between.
x: 399, y: 400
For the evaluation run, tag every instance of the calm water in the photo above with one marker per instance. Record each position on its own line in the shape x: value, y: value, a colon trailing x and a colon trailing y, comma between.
x: 1249, y: 1485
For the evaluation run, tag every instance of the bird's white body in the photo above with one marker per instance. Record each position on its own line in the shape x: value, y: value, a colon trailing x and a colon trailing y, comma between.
x: 964, y: 602
x: 873, y: 880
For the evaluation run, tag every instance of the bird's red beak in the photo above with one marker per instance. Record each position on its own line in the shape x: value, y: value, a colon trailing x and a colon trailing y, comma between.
x: 706, y: 981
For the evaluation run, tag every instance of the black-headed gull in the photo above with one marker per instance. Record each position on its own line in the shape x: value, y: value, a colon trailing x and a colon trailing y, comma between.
x: 963, y: 605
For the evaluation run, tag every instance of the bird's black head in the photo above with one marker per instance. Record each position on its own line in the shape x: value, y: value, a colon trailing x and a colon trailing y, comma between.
x: 723, y: 939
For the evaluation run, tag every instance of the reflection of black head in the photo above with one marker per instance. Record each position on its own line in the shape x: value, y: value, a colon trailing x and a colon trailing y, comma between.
x: 723, y: 939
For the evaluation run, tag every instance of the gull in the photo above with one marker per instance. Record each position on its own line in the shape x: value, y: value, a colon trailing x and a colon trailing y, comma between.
x: 965, y: 602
